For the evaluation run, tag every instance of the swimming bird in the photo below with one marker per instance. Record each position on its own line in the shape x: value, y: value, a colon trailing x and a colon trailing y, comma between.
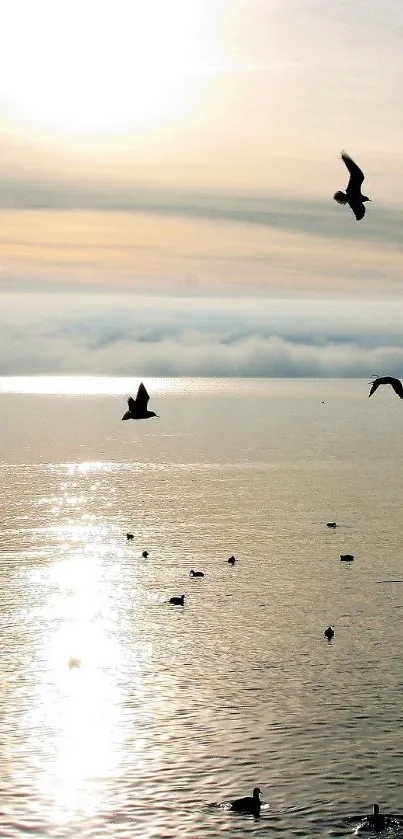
x: 129, y: 536
x: 331, y: 524
x: 249, y: 804
x: 353, y: 195
x: 387, y: 380
x: 346, y: 557
x: 376, y: 822
x: 196, y: 573
x: 177, y: 601
x: 138, y: 406
x: 231, y: 560
x: 329, y: 633
x: 144, y: 554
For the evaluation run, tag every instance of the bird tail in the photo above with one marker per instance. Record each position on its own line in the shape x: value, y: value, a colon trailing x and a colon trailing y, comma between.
x: 340, y: 197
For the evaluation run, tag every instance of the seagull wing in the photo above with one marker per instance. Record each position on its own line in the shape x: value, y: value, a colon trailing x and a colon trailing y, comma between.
x: 374, y: 387
x: 142, y: 397
x: 397, y: 387
x: 358, y: 210
x: 131, y: 403
x: 356, y: 175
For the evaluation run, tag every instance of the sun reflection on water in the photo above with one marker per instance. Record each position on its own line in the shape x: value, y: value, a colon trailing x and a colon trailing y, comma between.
x: 80, y: 694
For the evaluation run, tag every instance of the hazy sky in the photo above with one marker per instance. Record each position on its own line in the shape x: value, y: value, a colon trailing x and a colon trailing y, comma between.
x: 190, y: 148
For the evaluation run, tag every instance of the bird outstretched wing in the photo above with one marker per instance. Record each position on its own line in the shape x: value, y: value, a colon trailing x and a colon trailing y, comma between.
x: 374, y: 387
x: 131, y: 403
x: 356, y: 175
x: 397, y: 387
x: 142, y: 397
x: 358, y: 210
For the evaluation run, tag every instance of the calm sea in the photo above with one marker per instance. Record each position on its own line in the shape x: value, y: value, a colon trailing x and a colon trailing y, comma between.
x: 123, y: 716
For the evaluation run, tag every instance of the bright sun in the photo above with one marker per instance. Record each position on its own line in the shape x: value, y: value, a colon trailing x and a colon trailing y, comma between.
x: 103, y: 65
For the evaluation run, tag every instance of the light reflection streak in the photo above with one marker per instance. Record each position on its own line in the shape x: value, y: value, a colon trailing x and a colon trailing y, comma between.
x: 79, y: 704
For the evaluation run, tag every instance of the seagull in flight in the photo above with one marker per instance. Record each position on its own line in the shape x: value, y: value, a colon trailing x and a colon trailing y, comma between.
x: 138, y: 406
x: 353, y: 195
x: 387, y: 380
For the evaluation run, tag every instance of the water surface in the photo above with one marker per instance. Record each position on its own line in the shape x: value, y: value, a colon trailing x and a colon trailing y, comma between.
x: 121, y: 716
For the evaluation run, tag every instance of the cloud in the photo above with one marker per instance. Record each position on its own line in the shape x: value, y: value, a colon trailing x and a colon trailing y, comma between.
x: 318, y: 218
x: 127, y: 335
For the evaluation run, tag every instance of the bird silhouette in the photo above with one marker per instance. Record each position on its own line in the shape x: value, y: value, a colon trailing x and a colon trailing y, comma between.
x: 329, y: 633
x: 177, y: 600
x: 387, y: 380
x: 353, y: 195
x: 196, y: 573
x: 376, y: 822
x: 138, y: 406
x: 249, y: 804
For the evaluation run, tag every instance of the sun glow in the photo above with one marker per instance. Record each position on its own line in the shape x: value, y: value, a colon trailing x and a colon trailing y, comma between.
x: 88, y: 66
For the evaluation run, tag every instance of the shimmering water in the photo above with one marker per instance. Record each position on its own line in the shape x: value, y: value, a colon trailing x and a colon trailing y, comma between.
x: 122, y: 716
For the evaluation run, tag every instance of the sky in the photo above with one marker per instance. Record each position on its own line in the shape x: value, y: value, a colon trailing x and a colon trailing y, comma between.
x: 167, y: 172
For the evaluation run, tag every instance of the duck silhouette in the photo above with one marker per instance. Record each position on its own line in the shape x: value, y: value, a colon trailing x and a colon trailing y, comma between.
x: 376, y: 822
x: 196, y: 573
x: 329, y: 633
x: 249, y: 804
x: 177, y: 600
x: 231, y: 560
x: 353, y: 195
x: 138, y: 406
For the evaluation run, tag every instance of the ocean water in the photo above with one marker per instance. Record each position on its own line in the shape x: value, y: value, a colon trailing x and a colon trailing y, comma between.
x: 123, y: 716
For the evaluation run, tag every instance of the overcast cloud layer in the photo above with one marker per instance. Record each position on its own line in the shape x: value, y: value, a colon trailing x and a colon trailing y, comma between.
x: 131, y: 336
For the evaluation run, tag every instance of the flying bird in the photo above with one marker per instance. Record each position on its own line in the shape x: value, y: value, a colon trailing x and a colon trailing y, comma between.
x: 353, y: 195
x: 138, y: 406
x: 387, y: 380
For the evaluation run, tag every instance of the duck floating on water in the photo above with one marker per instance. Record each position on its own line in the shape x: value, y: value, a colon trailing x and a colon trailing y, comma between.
x: 331, y: 524
x: 346, y: 557
x: 376, y: 822
x: 196, y: 573
x: 177, y: 600
x: 129, y: 536
x: 232, y: 560
x: 329, y: 633
x: 144, y: 554
x: 249, y: 804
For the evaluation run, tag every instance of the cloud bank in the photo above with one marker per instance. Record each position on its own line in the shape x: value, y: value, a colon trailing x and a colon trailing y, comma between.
x: 131, y: 336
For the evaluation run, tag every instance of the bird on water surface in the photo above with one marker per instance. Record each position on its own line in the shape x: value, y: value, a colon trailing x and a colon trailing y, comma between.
x: 177, y: 600
x: 353, y: 195
x: 387, y: 380
x: 249, y: 804
x: 138, y: 406
x: 376, y: 822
